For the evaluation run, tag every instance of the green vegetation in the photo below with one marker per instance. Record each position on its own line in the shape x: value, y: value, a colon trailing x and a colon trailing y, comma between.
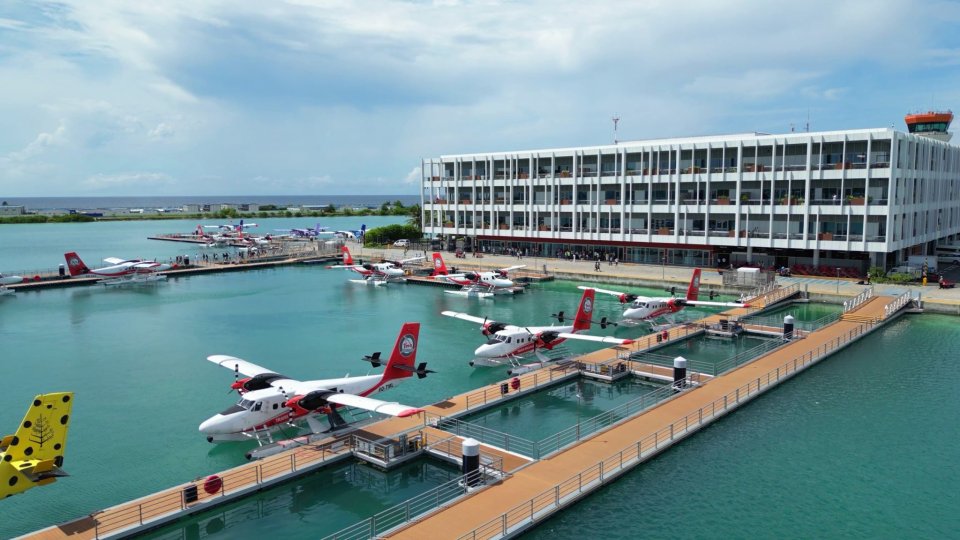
x: 878, y: 275
x: 389, y: 234
x: 395, y: 208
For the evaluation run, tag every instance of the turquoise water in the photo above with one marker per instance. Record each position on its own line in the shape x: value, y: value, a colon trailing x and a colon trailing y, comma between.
x: 322, y: 503
x: 711, y: 350
x: 552, y: 410
x: 808, y: 312
x: 862, y: 445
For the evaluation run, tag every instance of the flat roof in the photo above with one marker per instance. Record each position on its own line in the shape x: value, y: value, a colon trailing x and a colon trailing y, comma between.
x: 685, y: 140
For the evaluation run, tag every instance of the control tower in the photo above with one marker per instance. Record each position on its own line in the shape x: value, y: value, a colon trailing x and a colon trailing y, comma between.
x: 933, y: 124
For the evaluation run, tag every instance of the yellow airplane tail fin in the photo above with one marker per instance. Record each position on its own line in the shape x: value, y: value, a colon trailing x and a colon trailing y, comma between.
x: 42, y: 436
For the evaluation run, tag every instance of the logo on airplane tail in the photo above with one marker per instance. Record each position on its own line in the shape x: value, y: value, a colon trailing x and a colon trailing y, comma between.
x: 587, y: 306
x: 407, y: 345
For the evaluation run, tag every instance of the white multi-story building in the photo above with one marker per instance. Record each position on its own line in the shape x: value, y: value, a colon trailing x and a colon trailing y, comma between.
x: 850, y: 199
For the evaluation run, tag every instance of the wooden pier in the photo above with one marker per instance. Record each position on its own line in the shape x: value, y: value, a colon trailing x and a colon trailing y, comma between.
x: 526, y: 489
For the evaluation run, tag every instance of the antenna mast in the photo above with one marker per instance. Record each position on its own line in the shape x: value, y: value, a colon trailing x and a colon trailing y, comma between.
x: 616, y: 120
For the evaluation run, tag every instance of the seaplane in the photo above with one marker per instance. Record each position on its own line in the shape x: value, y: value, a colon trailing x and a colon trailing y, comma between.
x: 374, y: 273
x: 8, y: 280
x: 270, y: 401
x: 33, y: 455
x: 510, y: 344
x: 316, y: 232
x: 653, y: 309
x: 120, y: 271
x: 476, y: 284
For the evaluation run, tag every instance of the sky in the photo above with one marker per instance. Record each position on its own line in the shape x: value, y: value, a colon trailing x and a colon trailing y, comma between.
x: 196, y: 97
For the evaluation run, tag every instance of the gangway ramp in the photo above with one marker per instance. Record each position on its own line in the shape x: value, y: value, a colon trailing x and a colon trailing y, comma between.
x: 536, y: 491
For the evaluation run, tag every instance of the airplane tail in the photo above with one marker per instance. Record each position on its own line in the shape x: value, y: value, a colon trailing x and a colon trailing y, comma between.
x: 694, y: 288
x: 439, y: 267
x: 41, y: 439
x: 75, y: 264
x: 585, y: 311
x: 401, y: 363
x: 347, y: 258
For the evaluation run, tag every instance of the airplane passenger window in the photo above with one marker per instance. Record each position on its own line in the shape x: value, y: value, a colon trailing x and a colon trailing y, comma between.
x: 275, y: 405
x: 257, y: 406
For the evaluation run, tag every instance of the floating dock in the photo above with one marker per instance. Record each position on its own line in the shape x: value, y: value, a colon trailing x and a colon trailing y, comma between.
x: 521, y: 489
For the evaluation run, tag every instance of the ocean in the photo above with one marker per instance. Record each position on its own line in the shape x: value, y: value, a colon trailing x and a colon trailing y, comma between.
x: 281, y: 201
x: 863, y: 445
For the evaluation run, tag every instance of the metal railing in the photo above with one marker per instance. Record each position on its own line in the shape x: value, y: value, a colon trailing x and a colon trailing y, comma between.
x: 110, y: 521
x: 395, y: 516
x: 567, y: 436
x: 510, y: 443
x: 525, y: 382
x: 849, y: 305
x: 896, y: 305
x: 552, y: 499
x: 777, y: 321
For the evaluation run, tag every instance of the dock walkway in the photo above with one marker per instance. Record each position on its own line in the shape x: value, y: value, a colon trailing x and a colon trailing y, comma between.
x: 536, y: 491
x: 382, y: 439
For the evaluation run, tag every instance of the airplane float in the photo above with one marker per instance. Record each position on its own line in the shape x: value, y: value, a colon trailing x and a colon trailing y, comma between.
x: 509, y: 343
x: 270, y: 401
x: 644, y: 308
x: 478, y: 284
x: 33, y: 455
x: 120, y: 271
x: 8, y: 280
x: 374, y: 273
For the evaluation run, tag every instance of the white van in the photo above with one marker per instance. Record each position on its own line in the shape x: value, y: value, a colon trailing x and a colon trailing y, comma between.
x: 948, y: 254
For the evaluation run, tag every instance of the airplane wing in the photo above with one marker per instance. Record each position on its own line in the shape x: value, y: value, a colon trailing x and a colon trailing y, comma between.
x: 464, y: 316
x: 232, y: 363
x: 345, y: 266
x: 622, y: 295
x: 115, y: 260
x: 598, y: 339
x: 375, y: 405
x: 720, y: 304
x: 471, y: 318
x: 509, y: 268
x: 604, y: 291
x: 405, y: 261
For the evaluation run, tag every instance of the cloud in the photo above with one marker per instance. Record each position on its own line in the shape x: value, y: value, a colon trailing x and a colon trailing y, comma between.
x: 40, y: 144
x: 162, y: 131
x: 256, y: 97
x: 414, y: 176
x: 128, y: 180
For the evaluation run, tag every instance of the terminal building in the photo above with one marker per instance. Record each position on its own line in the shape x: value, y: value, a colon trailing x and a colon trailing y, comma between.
x: 812, y: 201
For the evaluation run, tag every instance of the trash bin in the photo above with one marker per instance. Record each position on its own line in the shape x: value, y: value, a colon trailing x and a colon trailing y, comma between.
x: 62, y: 271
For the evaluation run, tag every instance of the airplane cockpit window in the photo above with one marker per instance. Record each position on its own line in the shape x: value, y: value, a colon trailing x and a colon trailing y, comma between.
x: 245, y: 403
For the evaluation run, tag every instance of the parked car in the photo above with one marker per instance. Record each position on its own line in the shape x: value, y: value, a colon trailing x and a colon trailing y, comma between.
x: 403, y: 242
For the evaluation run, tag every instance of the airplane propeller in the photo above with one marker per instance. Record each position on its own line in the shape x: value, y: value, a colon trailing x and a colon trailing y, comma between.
x: 420, y: 371
x: 374, y: 359
x: 236, y: 378
x: 603, y: 322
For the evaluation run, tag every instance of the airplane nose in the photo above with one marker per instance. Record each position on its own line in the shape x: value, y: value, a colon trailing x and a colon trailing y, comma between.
x: 483, y: 351
x: 162, y: 267
x: 211, y: 425
x: 503, y: 283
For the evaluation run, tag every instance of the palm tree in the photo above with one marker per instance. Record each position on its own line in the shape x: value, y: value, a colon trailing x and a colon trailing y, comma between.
x: 416, y: 217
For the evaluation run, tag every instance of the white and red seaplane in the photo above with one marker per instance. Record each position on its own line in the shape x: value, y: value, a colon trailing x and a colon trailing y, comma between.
x: 8, y: 280
x: 120, y: 271
x: 270, y: 401
x: 651, y: 309
x: 510, y: 344
x: 374, y: 273
x: 476, y: 284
